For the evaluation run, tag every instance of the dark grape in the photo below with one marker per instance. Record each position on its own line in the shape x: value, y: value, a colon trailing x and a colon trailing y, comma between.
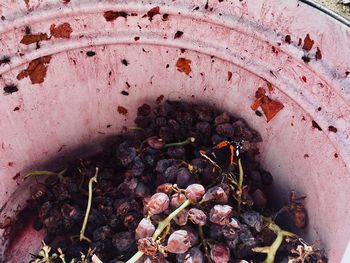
x: 155, y: 142
x: 231, y: 230
x: 222, y: 118
x: 69, y: 212
x: 102, y: 233
x: 165, y: 188
x: 144, y: 110
x: 123, y: 241
x: 253, y: 219
x: 183, y: 177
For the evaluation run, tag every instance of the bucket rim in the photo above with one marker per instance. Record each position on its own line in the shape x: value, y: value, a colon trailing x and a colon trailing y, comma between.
x: 327, y: 11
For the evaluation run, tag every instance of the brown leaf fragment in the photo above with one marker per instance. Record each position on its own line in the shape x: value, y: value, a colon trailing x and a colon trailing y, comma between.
x: 178, y: 34
x: 34, y: 38
x: 308, y: 43
x: 316, y: 126
x: 62, y: 31
x: 288, y: 39
x: 122, y: 110
x: 183, y: 65
x: 36, y: 70
x: 229, y: 75
x: 152, y: 12
x: 318, y: 54
x: 113, y: 15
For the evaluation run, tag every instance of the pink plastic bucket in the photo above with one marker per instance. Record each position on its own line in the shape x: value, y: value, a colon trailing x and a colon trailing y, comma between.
x: 71, y: 85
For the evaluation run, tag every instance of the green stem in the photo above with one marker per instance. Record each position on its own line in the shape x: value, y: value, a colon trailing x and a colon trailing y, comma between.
x: 161, y: 226
x: 82, y: 231
x: 272, y: 250
x: 48, y: 173
x: 187, y: 141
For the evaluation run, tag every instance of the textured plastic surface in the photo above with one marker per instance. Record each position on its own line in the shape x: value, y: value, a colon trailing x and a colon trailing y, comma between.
x: 234, y: 47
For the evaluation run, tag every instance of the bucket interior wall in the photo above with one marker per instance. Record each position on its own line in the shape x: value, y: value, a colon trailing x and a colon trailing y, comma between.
x: 230, y: 49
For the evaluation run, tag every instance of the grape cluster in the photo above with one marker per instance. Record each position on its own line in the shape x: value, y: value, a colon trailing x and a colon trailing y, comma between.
x: 154, y: 174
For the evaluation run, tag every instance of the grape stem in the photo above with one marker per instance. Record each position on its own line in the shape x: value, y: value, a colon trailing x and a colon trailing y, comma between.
x: 88, y: 208
x: 187, y: 141
x: 161, y: 226
x: 272, y: 250
x: 47, y: 173
x: 204, y: 243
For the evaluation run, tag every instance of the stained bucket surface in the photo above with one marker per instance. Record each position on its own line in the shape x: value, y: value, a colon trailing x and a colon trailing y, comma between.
x: 73, y: 72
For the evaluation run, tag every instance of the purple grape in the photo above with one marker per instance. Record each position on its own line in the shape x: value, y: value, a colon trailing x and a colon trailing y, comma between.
x: 176, y: 152
x: 160, y: 121
x: 259, y: 198
x: 197, y: 216
x: 164, y: 164
x: 171, y: 174
x: 123, y: 241
x: 222, y: 118
x: 183, y: 177
x: 144, y: 229
x: 38, y: 191
x: 142, y: 190
x: 182, y: 217
x: 231, y: 230
x: 125, y: 153
x: 155, y: 142
x: 138, y: 167
x: 194, y: 255
x: 225, y: 129
x: 158, y: 203
x: 220, y: 214
x: 165, y: 188
x: 166, y: 134
x: 177, y: 199
x: 215, y: 232
x: 193, y: 235
x: 144, y: 110
x: 195, y: 192
x: 253, y: 219
x: 69, y: 212
x: 219, y: 253
x: 216, y: 194
x: 179, y: 242
x: 147, y: 245
x: 102, y: 233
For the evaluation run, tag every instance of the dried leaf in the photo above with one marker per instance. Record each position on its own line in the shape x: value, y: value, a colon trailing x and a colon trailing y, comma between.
x: 152, y: 12
x: 316, y: 126
x: 270, y: 107
x: 27, y: 3
x: 332, y: 129
x: 183, y: 65
x: 318, y: 54
x: 229, y: 75
x: 122, y: 110
x: 36, y: 70
x: 308, y: 43
x: 287, y: 39
x: 269, y: 86
x: 113, y: 15
x: 33, y: 38
x: 62, y: 31
x: 178, y: 34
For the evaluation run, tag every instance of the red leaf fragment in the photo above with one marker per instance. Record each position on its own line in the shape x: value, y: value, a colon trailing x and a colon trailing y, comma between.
x: 183, y: 65
x: 308, y: 43
x: 269, y: 107
x: 318, y: 54
x: 34, y: 38
x: 62, y: 31
x: 36, y: 70
x: 122, y: 110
